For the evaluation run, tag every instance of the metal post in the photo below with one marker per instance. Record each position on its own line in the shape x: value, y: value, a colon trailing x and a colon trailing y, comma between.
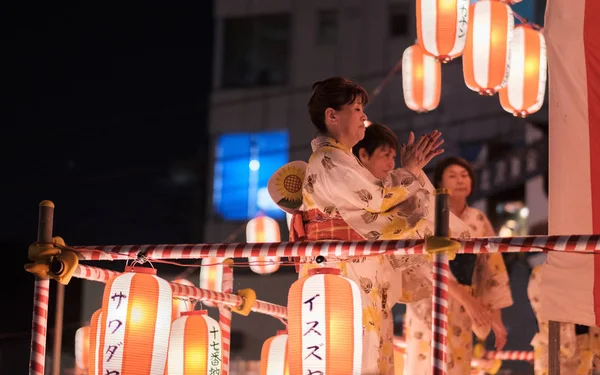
x: 41, y: 295
x: 553, y: 348
x: 439, y: 300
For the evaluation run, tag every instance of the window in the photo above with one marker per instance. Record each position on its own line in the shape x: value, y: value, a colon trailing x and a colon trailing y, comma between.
x: 399, y: 20
x: 256, y: 51
x: 328, y: 23
x: 244, y: 163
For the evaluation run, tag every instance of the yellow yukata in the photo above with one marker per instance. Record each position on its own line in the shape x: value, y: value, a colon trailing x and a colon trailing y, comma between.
x: 490, y: 285
x: 576, y: 351
x: 341, y: 188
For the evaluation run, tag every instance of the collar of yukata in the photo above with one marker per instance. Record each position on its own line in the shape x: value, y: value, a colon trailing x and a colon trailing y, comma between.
x: 323, y: 141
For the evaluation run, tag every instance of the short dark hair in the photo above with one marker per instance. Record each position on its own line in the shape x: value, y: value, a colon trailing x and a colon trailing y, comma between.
x: 376, y: 135
x: 333, y: 93
x: 441, y: 166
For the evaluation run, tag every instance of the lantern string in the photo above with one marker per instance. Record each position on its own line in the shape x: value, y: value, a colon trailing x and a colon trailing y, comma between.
x: 398, y: 66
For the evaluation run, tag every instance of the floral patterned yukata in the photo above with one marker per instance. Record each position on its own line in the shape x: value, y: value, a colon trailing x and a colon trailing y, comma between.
x: 486, y: 277
x: 576, y: 351
x: 342, y: 200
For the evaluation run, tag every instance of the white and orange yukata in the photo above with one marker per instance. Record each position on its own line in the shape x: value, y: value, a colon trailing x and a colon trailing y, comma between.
x: 342, y: 200
x: 577, y: 351
x: 486, y: 278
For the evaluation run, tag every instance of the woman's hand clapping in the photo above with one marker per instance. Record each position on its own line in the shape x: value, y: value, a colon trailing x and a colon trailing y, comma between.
x: 415, y: 156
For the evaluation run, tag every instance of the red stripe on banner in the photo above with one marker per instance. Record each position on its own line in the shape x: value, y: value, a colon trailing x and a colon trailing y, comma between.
x: 591, y: 30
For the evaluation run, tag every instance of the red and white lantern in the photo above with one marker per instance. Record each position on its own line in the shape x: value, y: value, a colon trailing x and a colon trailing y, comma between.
x: 526, y: 88
x: 181, y: 305
x: 263, y: 229
x: 273, y: 357
x: 442, y: 27
x: 195, y: 345
x: 136, y: 323
x: 93, y: 358
x: 324, y: 324
x: 82, y: 348
x: 421, y: 79
x: 211, y: 276
x: 487, y: 52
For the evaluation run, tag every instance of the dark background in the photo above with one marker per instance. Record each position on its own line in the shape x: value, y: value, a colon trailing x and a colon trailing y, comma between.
x: 107, y: 117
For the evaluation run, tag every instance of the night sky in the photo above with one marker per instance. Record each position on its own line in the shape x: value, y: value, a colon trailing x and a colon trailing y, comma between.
x: 108, y: 119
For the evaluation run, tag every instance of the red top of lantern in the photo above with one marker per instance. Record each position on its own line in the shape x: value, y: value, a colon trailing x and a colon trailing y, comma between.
x: 324, y: 271
x: 194, y: 313
x: 282, y: 332
x: 148, y: 270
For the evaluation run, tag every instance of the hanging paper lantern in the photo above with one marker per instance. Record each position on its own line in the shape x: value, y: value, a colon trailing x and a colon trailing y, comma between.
x: 82, y: 347
x: 273, y: 357
x: 487, y: 52
x: 524, y: 93
x: 195, y: 345
x: 181, y: 305
x: 324, y: 324
x: 93, y: 358
x: 259, y: 230
x: 442, y: 27
x: 136, y: 322
x: 421, y: 79
x: 211, y: 276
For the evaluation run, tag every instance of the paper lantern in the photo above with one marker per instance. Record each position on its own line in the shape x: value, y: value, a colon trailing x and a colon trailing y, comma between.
x: 526, y: 88
x: 421, y: 79
x: 487, y: 52
x: 181, y: 305
x: 82, y: 347
x: 259, y: 230
x: 195, y: 345
x: 93, y: 358
x: 211, y: 276
x: 442, y: 27
x: 135, y: 324
x: 273, y: 357
x: 324, y: 324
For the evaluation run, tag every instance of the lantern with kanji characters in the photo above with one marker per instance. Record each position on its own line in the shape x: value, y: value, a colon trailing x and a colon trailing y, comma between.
x: 179, y: 304
x: 442, y: 27
x: 273, y: 357
x: 259, y: 230
x: 421, y: 79
x: 135, y: 324
x: 487, y: 52
x: 324, y: 324
x: 195, y: 345
x: 526, y: 88
x: 93, y: 358
x: 211, y: 276
x: 82, y: 348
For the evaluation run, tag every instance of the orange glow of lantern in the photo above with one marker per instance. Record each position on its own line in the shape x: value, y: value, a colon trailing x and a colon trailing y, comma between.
x: 487, y: 52
x: 273, y: 356
x: 135, y: 324
x: 442, y: 27
x: 421, y: 79
x: 211, y: 276
x: 82, y: 347
x: 526, y: 88
x: 194, y: 345
x: 93, y: 358
x: 260, y: 230
x: 324, y: 324
x: 181, y: 305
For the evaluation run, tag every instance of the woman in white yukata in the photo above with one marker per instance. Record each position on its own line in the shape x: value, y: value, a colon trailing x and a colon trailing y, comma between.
x: 481, y: 276
x: 342, y: 200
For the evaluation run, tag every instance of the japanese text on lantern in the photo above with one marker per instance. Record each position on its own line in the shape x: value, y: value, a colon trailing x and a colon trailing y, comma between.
x: 214, y: 351
x: 313, y: 352
x: 463, y: 15
x: 115, y: 333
